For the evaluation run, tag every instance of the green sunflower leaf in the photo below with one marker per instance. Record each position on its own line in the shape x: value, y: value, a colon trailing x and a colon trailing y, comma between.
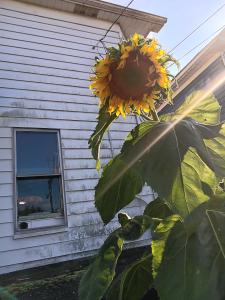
x: 119, y: 182
x: 158, y: 209
x: 196, y: 256
x: 116, y: 188
x: 171, y: 158
x: 216, y: 150
x: 101, y: 272
x: 133, y: 282
x: 104, y: 121
x: 203, y: 108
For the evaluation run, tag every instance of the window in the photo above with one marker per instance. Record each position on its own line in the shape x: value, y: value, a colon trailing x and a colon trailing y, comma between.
x: 39, y: 190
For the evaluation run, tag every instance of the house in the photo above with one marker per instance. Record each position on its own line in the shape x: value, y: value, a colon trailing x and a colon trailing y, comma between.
x: 205, y: 70
x: 47, y: 114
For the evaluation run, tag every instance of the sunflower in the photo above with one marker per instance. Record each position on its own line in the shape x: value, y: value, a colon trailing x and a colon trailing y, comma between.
x: 133, y: 77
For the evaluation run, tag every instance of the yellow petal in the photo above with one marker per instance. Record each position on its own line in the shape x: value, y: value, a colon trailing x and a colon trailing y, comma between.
x: 135, y: 39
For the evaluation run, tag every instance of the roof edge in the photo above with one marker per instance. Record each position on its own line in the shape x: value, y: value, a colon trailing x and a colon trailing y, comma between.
x: 145, y: 22
x: 204, y: 58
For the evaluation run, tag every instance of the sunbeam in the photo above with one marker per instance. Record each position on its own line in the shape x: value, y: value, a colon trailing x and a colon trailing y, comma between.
x: 208, y: 89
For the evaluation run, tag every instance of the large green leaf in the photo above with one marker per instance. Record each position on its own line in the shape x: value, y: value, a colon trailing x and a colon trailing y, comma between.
x: 153, y: 153
x: 216, y: 150
x: 104, y: 121
x: 158, y: 210
x: 174, y: 166
x: 137, y: 134
x: 189, y: 264
x: 101, y: 272
x: 199, y: 106
x: 189, y: 187
x: 133, y: 282
x: 160, y: 151
x: 160, y: 236
x: 116, y: 188
x: 119, y: 182
x: 135, y: 227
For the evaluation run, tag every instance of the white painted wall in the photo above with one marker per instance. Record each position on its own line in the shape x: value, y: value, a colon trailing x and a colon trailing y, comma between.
x: 45, y: 61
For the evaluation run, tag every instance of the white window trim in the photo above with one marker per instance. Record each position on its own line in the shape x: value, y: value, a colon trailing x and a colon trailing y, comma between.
x: 45, y: 229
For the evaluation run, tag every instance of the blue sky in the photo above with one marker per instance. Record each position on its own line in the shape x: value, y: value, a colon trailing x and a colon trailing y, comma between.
x: 183, y: 17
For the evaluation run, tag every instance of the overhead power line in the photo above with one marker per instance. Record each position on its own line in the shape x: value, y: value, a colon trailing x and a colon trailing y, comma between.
x: 199, y: 26
x: 199, y: 44
x: 202, y: 42
x: 111, y: 26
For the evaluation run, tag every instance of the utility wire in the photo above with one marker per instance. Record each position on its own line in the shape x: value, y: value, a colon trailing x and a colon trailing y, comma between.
x: 202, y: 42
x: 199, y: 26
x: 199, y: 44
x: 110, y: 27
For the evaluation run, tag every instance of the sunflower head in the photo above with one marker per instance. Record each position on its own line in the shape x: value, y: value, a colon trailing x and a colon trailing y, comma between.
x: 133, y: 77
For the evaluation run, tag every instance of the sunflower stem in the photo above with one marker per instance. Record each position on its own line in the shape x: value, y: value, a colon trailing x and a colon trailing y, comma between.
x: 154, y: 114
x: 145, y: 117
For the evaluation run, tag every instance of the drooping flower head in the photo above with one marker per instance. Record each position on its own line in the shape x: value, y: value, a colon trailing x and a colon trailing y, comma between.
x: 133, y: 77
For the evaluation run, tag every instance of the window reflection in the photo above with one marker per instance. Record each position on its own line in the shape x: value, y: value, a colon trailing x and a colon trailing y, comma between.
x: 37, y: 153
x: 38, y: 197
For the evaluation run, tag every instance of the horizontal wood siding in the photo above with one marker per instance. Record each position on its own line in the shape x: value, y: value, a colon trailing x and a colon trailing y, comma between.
x: 45, y: 62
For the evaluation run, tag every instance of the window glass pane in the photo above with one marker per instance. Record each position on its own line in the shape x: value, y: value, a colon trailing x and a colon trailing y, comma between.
x: 37, y: 153
x: 39, y: 197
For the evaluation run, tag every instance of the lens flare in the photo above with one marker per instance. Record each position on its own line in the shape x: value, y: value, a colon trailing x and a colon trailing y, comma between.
x: 208, y: 89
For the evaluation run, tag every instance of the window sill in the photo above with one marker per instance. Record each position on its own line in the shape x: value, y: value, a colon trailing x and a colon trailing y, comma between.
x: 38, y: 232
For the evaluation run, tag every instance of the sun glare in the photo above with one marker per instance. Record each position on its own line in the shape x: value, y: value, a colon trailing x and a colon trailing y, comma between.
x: 210, y: 88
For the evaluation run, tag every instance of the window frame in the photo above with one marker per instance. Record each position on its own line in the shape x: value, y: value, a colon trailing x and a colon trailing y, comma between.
x: 60, y: 175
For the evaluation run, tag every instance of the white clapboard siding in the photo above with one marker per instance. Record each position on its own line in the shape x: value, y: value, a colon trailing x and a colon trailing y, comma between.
x: 89, y: 207
x: 73, y: 255
x: 45, y: 96
x: 24, y: 120
x: 85, y: 44
x: 50, y: 34
x: 13, y: 24
x: 30, y: 77
x: 94, y: 217
x: 49, y: 105
x: 44, y: 70
x: 5, y: 143
x: 6, y: 229
x: 5, y: 132
x: 53, y: 250
x: 6, y: 215
x: 6, y: 189
x: 74, y: 59
x: 54, y: 49
x: 5, y: 165
x: 45, y: 27
x: 59, y: 20
x: 72, y: 186
x: 6, y: 177
x: 6, y: 202
x: 83, y: 164
x: 46, y: 59
x: 74, y: 134
x: 75, y: 233
x: 84, y: 154
x: 76, y: 196
x: 50, y: 63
